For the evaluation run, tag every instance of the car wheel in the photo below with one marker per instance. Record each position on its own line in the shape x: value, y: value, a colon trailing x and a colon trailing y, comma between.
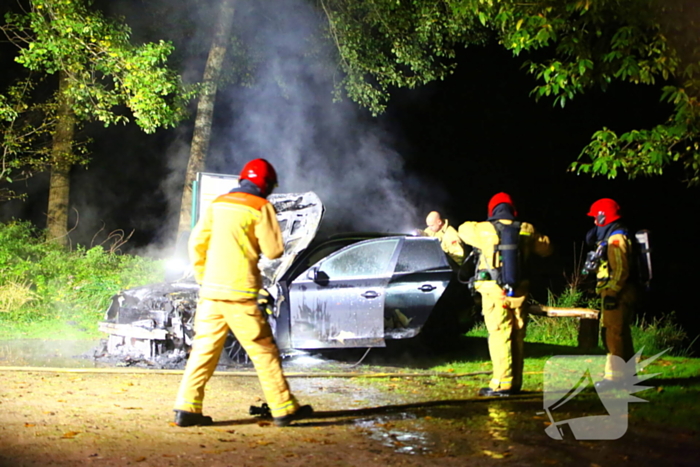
x: 234, y: 350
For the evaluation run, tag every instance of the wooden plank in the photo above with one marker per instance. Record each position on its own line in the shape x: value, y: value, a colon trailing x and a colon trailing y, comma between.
x: 558, y: 312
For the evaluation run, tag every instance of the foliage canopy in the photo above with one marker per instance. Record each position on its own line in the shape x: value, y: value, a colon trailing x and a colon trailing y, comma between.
x: 26, y: 126
x: 108, y: 79
x: 104, y: 69
x: 572, y: 46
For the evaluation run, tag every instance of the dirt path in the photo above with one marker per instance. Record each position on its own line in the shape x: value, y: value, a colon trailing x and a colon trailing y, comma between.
x: 65, y: 418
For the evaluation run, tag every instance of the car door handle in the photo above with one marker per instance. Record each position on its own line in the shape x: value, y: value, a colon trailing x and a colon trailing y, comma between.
x: 370, y: 294
x: 427, y: 288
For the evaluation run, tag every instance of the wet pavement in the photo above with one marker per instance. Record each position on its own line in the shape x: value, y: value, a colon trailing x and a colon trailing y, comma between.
x: 121, y: 419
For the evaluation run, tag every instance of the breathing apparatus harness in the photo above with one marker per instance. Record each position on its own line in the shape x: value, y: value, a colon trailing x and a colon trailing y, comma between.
x: 594, y: 258
x: 639, y: 256
x: 506, y: 253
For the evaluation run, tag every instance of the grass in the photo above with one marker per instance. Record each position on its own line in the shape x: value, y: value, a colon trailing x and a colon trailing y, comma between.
x: 14, y: 295
x: 672, y: 393
x: 662, y: 333
x: 73, y: 327
x: 541, y: 329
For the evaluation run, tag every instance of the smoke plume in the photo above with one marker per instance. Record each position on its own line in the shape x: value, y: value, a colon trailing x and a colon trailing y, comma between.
x: 288, y: 116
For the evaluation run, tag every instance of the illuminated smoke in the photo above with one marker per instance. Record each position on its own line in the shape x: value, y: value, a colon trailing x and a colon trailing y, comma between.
x: 288, y: 117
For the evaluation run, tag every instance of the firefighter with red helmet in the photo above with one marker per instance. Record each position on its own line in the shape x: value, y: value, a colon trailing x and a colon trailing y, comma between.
x: 449, y: 239
x: 615, y: 287
x: 225, y: 247
x: 503, y: 244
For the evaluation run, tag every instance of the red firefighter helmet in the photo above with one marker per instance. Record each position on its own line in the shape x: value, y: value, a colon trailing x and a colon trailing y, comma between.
x: 261, y: 173
x: 604, y: 211
x: 500, y: 198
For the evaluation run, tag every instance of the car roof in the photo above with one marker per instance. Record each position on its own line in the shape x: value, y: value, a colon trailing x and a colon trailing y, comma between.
x: 366, y: 235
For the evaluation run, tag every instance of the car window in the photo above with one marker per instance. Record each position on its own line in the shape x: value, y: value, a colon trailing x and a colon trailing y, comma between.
x: 323, y: 251
x: 317, y: 254
x: 366, y: 259
x: 419, y: 255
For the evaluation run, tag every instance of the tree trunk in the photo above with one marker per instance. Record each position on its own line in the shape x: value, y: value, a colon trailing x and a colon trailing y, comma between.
x: 61, y: 156
x: 205, y: 109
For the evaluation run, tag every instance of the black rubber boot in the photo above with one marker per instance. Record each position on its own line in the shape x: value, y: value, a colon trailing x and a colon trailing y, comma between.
x: 305, y: 411
x: 184, y: 418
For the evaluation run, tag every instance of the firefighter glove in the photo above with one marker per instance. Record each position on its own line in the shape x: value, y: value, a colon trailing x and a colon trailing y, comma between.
x: 265, y: 301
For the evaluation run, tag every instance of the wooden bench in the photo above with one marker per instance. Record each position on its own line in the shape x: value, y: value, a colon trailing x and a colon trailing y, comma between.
x: 588, y: 324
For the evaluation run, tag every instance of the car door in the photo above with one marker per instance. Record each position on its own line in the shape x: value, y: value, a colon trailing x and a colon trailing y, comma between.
x: 421, y: 276
x: 339, y: 302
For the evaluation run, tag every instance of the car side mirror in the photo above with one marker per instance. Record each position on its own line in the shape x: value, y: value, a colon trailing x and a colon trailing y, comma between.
x: 319, y: 277
x: 312, y: 273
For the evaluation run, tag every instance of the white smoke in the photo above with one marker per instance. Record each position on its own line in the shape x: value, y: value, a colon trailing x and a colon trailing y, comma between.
x: 288, y: 117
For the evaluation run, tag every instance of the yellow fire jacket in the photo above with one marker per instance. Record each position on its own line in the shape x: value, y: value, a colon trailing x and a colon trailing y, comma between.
x: 483, y: 235
x: 226, y: 243
x: 449, y: 241
x: 614, y: 270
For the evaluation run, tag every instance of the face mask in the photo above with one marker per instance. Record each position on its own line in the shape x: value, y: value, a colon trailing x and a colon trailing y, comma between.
x: 600, y: 219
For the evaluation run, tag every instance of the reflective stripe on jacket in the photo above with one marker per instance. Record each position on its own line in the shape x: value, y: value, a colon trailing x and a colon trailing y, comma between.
x: 614, y: 268
x: 226, y: 243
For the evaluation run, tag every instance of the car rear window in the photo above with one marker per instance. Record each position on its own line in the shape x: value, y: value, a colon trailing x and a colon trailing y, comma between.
x: 420, y: 254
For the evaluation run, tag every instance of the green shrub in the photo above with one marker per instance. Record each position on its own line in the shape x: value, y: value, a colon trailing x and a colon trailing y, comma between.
x: 556, y: 331
x: 661, y: 334
x: 573, y: 297
x: 40, y: 281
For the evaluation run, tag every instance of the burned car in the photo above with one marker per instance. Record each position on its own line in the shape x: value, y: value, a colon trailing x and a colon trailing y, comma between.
x: 350, y: 290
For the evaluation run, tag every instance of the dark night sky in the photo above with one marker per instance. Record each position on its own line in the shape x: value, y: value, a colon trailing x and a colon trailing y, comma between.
x: 473, y: 135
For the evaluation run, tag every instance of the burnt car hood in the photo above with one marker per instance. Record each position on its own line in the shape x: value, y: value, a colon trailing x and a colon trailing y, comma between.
x: 299, y: 216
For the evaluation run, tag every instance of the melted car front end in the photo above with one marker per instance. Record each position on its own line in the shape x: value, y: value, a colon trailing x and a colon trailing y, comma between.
x: 158, y: 319
x: 148, y: 321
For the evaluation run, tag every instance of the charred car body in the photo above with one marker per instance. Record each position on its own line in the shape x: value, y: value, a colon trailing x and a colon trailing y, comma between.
x: 355, y: 290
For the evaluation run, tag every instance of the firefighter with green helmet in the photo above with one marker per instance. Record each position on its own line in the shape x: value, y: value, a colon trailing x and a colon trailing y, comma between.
x: 612, y: 263
x: 503, y: 244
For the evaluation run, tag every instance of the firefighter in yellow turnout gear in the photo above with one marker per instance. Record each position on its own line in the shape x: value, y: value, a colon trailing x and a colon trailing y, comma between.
x: 225, y: 247
x: 616, y: 289
x: 449, y: 239
x: 502, y: 303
